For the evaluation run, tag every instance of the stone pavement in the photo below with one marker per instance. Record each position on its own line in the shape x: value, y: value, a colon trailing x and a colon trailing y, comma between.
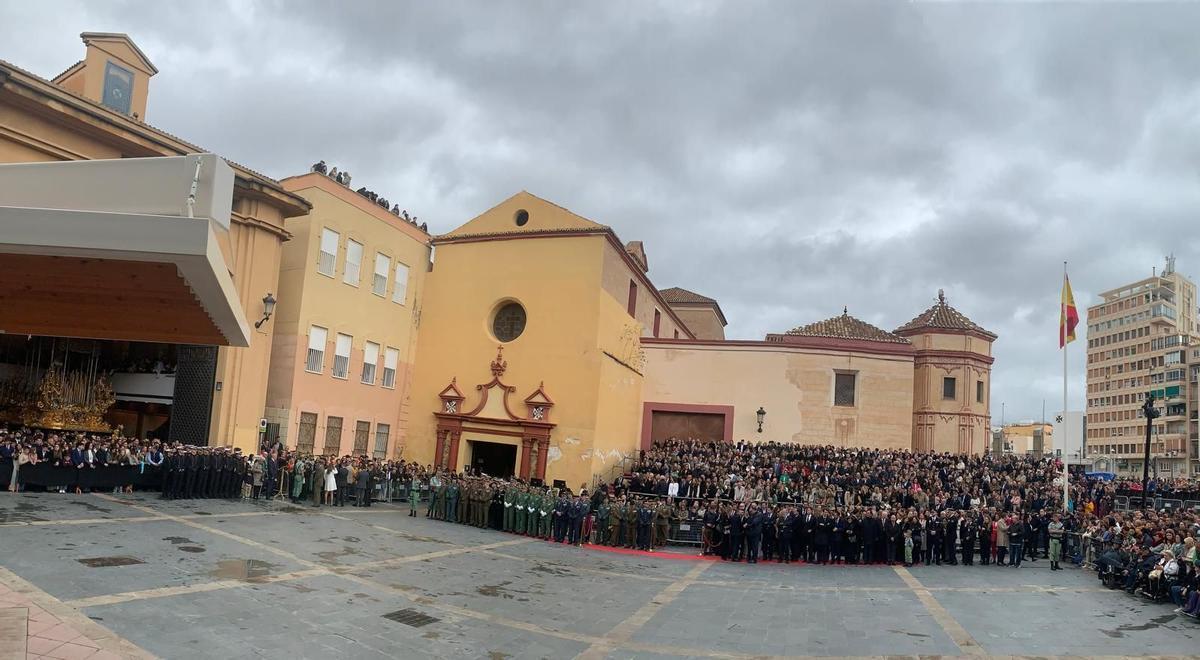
x: 134, y: 576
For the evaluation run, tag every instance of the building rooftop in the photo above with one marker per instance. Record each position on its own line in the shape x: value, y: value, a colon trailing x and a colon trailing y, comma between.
x: 846, y: 327
x: 943, y: 317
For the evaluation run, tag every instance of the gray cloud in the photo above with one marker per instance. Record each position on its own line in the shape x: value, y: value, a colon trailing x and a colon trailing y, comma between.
x: 785, y: 158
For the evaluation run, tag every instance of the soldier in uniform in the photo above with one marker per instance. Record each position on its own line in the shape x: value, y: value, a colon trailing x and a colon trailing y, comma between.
x: 602, y: 523
x: 533, y: 513
x: 509, y: 513
x: 645, y: 519
x: 432, y: 507
x: 520, y: 510
x: 561, y: 508
x: 453, y: 492
x: 631, y: 523
x: 616, y: 517
x: 414, y: 495
x: 662, y: 522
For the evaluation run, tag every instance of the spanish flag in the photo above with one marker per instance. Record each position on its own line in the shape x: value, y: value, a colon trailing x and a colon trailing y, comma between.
x: 1068, y: 316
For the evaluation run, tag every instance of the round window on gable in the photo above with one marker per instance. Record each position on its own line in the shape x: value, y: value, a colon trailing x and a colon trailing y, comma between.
x: 521, y: 217
x: 509, y: 322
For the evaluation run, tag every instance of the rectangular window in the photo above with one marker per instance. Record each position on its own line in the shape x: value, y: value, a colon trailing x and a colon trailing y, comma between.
x: 316, y: 349
x: 370, y: 361
x: 979, y: 391
x: 341, y: 356
x: 381, y: 439
x: 631, y: 306
x: 327, y: 261
x: 843, y: 389
x: 400, y: 293
x: 676, y: 334
x: 362, y: 433
x: 333, y: 436
x: 354, y: 251
x: 949, y: 388
x: 307, y: 433
x: 390, y: 357
x: 383, y: 265
x: 657, y: 321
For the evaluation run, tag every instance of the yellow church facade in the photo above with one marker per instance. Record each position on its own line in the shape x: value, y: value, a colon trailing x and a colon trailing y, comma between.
x: 546, y: 352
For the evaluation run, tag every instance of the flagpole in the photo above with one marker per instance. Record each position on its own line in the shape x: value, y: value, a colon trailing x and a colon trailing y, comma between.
x: 1062, y: 425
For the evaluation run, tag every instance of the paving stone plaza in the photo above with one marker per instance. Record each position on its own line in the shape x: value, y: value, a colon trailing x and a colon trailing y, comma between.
x: 133, y: 576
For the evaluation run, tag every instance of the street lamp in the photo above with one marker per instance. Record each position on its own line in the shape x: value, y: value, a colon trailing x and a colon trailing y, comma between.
x: 761, y: 414
x: 1151, y: 414
x: 268, y: 309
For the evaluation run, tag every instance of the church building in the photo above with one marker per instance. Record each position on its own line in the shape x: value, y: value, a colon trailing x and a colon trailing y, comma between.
x: 545, y: 351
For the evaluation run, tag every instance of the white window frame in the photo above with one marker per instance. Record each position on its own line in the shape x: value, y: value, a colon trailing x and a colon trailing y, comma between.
x: 343, y: 346
x: 318, y: 336
x: 391, y: 358
x: 379, y: 282
x: 327, y: 261
x: 400, y: 290
x: 353, y: 269
x: 370, y: 363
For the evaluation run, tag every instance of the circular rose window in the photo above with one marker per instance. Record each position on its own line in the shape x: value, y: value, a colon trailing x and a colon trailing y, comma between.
x: 509, y: 322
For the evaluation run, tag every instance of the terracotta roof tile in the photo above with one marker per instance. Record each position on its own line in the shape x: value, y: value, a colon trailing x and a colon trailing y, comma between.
x: 846, y: 327
x: 942, y: 316
x: 683, y: 297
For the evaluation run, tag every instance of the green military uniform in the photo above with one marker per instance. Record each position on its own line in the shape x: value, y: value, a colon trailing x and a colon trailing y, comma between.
x: 533, y: 514
x: 454, y: 499
x: 509, y: 513
x: 662, y: 521
x: 435, y: 505
x: 545, y: 505
x: 483, y: 502
x: 615, y: 518
x: 440, y: 512
x: 601, y: 526
x: 520, y: 516
x: 414, y: 494
x: 629, y: 538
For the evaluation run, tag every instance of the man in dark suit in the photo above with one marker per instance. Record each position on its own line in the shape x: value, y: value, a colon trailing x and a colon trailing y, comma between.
x: 362, y: 485
x: 737, y: 532
x: 754, y: 528
x: 342, y: 478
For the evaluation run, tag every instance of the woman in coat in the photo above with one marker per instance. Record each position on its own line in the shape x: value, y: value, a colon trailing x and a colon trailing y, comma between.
x: 1001, y: 539
x: 256, y: 472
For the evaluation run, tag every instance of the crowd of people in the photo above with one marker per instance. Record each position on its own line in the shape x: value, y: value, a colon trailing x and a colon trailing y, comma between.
x: 748, y: 502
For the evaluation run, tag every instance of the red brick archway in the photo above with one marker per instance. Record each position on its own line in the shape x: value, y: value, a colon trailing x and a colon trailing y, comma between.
x: 533, y: 429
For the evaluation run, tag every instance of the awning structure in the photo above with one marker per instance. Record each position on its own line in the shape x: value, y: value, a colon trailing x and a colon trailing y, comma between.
x: 133, y: 249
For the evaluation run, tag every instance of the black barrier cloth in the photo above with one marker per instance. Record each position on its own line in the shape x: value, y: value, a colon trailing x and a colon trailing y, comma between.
x: 105, y: 476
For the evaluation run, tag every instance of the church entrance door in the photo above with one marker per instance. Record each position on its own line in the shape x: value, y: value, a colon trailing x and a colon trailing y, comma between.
x: 493, y: 458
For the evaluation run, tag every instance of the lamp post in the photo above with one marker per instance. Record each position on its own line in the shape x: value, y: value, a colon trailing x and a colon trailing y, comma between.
x: 268, y: 309
x: 761, y: 414
x: 1151, y: 414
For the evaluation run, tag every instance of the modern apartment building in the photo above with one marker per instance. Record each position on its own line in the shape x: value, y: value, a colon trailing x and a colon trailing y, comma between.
x: 1141, y: 339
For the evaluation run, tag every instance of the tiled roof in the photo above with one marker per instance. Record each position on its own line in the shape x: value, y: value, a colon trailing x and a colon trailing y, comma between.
x: 942, y: 316
x: 846, y: 327
x: 683, y: 296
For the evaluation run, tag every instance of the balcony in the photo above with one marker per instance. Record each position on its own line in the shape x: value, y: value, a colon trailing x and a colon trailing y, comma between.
x: 120, y: 249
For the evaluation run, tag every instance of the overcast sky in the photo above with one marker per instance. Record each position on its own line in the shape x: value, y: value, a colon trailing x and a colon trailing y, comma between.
x: 785, y: 158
